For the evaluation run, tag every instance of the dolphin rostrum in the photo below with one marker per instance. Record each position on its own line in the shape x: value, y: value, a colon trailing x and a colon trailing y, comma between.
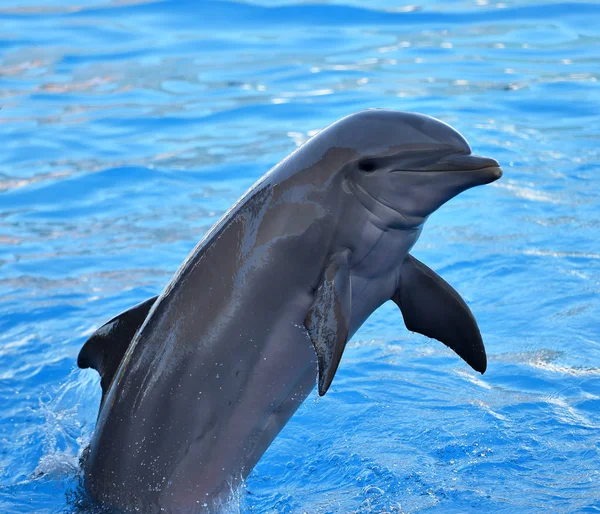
x: 197, y: 382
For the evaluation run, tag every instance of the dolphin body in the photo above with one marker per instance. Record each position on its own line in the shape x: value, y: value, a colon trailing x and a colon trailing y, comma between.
x: 198, y: 381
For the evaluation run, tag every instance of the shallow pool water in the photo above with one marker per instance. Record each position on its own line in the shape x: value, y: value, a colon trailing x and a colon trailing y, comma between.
x: 128, y: 127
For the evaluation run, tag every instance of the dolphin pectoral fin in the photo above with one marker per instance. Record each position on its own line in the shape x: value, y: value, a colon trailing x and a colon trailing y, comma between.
x: 104, y: 349
x: 328, y: 320
x: 430, y: 306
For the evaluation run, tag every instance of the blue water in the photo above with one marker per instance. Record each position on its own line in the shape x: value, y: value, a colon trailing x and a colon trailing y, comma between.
x: 128, y: 127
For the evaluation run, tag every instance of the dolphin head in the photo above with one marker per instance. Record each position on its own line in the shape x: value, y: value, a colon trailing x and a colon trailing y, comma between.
x: 408, y: 164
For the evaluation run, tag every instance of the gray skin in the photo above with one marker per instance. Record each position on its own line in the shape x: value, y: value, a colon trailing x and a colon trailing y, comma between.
x: 265, y: 304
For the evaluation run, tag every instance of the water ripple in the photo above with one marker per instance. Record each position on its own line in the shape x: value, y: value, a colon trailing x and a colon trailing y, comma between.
x: 130, y: 126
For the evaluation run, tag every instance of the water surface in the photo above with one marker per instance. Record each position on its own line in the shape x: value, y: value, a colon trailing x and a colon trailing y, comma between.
x: 129, y: 127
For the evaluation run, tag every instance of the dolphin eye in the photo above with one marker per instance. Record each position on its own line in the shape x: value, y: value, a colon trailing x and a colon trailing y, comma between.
x: 367, y: 165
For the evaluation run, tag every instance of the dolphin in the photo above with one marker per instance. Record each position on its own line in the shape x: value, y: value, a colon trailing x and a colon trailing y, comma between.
x: 197, y: 382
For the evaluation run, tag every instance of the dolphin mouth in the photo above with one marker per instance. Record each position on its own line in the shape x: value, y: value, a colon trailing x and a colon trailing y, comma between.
x: 463, y: 163
x: 466, y: 178
x: 483, y: 175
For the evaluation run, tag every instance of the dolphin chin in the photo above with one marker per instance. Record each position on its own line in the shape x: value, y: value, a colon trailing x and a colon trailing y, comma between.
x: 488, y: 175
x: 480, y: 176
x: 476, y: 177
